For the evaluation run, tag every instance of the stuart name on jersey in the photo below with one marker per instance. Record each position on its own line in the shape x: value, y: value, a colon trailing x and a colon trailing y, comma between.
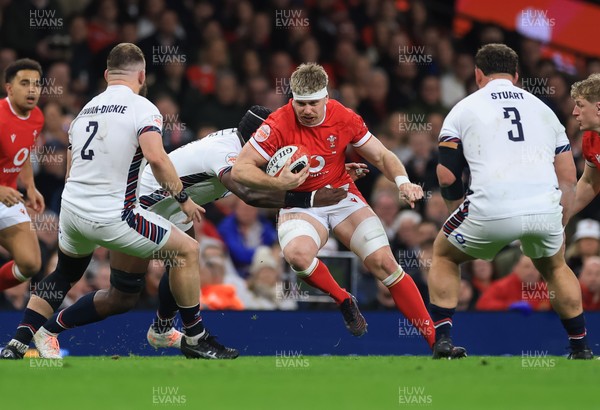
x: 507, y: 95
x: 104, y: 109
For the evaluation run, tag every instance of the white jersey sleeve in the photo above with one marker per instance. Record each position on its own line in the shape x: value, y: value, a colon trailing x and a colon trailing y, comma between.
x: 200, y: 166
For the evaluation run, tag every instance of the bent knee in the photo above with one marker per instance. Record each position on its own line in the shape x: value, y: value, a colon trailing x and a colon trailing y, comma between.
x: 29, y: 268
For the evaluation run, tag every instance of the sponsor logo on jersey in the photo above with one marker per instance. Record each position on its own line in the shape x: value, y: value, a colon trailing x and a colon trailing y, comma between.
x: 12, y: 137
x: 317, y: 163
x: 11, y: 170
x: 21, y: 157
x: 231, y: 158
x: 598, y: 158
x: 262, y: 133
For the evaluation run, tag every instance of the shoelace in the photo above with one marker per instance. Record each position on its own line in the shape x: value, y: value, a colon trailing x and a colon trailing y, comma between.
x: 212, y: 340
x: 173, y: 338
x: 349, y: 313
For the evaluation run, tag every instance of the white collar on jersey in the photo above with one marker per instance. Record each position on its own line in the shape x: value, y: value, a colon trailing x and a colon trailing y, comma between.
x: 13, y: 111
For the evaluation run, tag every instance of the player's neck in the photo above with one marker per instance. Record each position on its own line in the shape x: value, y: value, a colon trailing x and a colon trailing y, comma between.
x: 23, y: 114
x: 126, y: 83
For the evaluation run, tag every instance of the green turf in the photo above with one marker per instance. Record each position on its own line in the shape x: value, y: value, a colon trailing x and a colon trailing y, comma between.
x: 374, y: 382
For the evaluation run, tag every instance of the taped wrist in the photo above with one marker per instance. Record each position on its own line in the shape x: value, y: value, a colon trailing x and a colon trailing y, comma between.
x: 298, y: 199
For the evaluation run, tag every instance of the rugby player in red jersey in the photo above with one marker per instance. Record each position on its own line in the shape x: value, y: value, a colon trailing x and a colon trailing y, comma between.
x: 326, y: 128
x: 21, y: 121
x: 586, y: 94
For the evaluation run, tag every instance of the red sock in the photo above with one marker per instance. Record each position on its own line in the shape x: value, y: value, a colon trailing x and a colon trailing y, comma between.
x: 321, y: 279
x: 409, y: 301
x: 7, y: 277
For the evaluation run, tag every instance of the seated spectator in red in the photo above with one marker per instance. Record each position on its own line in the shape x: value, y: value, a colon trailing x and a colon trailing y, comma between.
x: 214, y: 294
x: 589, y: 278
x: 522, y: 290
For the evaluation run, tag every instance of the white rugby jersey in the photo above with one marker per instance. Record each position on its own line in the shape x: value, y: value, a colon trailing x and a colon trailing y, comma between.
x: 509, y: 139
x: 107, y: 160
x: 199, y: 165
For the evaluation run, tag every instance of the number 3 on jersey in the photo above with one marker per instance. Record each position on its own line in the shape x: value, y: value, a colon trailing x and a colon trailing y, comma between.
x: 93, y: 128
x: 516, y: 121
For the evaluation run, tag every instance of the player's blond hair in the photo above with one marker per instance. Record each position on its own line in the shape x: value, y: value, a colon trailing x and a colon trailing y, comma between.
x: 308, y: 79
x: 588, y: 89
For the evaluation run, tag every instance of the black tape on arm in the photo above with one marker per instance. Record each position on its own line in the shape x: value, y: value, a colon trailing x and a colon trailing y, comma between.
x: 298, y: 199
x: 454, y: 160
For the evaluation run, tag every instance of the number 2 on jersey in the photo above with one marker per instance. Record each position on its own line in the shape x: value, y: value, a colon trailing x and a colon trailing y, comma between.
x: 93, y: 126
x: 516, y: 121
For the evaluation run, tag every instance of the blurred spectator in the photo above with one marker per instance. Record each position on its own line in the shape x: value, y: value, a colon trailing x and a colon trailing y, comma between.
x: 586, y: 243
x: 175, y: 132
x: 267, y: 291
x: 523, y: 290
x: 422, y: 166
x: 243, y: 232
x: 481, y: 273
x: 466, y: 296
x: 151, y: 11
x: 7, y: 56
x: 435, y: 208
x: 215, y: 294
x: 81, y: 55
x: 589, y: 278
x: 454, y: 83
x: 375, y: 108
x: 222, y: 110
x: 386, y: 205
x: 103, y: 26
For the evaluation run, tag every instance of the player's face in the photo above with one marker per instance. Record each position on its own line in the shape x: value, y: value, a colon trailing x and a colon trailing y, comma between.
x: 24, y: 90
x: 587, y: 114
x: 310, y: 112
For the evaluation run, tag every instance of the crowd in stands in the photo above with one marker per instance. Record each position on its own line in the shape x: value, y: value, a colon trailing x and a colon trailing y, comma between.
x: 399, y: 64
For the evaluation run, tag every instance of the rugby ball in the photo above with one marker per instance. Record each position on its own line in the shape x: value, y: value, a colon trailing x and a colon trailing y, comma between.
x: 299, y: 155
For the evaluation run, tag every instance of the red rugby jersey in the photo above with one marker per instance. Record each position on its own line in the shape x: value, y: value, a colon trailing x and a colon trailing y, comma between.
x: 17, y: 137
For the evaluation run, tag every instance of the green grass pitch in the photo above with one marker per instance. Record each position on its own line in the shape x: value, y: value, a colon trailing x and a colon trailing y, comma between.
x: 308, y: 382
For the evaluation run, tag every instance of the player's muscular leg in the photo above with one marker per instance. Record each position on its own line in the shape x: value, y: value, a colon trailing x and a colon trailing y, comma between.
x: 363, y: 233
x: 563, y: 286
x: 126, y: 268
x: 184, y: 275
x: 22, y: 243
x: 297, y: 235
x: 444, y: 276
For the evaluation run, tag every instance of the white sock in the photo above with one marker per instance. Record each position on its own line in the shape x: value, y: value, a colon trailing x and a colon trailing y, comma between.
x: 193, y: 340
x: 17, y: 274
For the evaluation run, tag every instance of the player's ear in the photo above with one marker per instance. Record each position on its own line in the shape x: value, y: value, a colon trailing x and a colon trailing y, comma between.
x: 142, y: 77
x: 516, y: 78
x: 479, y: 77
x: 106, y: 75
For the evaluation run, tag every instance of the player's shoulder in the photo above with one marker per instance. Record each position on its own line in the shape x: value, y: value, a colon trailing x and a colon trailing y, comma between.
x: 590, y: 141
x: 143, y: 103
x: 37, y: 115
x: 341, y: 112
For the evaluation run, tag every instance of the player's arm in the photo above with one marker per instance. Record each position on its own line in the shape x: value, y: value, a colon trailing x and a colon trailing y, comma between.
x: 35, y: 200
x: 567, y: 182
x: 165, y: 173
x: 451, y: 164
x: 588, y: 187
x: 283, y: 199
x: 391, y: 166
x: 247, y: 171
x: 69, y: 161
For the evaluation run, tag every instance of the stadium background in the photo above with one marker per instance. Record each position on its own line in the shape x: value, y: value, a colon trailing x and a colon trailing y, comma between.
x: 401, y: 64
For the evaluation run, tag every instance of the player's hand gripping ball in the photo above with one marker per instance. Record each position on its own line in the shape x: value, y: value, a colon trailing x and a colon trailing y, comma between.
x: 298, y: 154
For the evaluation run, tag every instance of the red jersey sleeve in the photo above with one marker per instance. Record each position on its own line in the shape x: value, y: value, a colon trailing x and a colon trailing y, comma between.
x: 360, y: 132
x: 590, y: 145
